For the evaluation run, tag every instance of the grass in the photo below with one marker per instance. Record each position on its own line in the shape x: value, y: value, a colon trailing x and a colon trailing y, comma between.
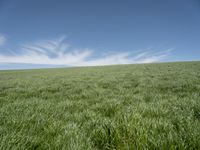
x: 146, y: 106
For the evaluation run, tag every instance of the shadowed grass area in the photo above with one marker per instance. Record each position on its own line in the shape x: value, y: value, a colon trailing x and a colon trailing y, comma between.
x: 147, y: 106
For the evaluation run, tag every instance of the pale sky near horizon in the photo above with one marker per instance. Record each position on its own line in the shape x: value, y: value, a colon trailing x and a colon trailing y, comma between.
x: 53, y: 33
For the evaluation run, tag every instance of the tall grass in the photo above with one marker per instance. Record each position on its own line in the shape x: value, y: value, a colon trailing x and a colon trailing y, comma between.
x: 151, y: 106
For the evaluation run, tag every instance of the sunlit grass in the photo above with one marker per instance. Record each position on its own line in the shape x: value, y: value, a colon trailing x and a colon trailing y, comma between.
x: 151, y: 106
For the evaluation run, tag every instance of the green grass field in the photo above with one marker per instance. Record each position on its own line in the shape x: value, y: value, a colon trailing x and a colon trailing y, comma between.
x: 146, y: 106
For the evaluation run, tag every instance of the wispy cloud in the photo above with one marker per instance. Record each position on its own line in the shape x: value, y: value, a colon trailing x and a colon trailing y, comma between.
x: 58, y: 52
x: 2, y: 39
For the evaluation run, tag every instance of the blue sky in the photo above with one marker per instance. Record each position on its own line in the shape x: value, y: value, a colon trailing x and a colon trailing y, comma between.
x: 44, y: 33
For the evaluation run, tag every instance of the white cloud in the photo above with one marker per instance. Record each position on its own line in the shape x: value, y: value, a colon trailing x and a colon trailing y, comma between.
x: 2, y: 40
x: 58, y: 52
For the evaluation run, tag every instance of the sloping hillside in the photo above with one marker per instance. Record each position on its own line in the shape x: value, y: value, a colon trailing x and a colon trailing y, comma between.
x: 144, y: 106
